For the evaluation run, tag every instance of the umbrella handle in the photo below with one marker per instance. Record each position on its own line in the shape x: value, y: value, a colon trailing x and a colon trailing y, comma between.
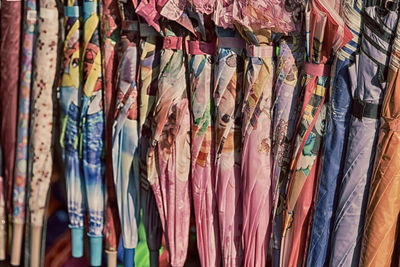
x: 3, y: 241
x: 18, y: 231
x: 36, y: 233
x: 111, y: 258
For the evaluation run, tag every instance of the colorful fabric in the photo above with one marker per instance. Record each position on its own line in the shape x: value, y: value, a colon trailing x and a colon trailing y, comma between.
x: 383, y: 208
x: 358, y: 167
x: 169, y: 156
x: 228, y: 97
x: 110, y: 36
x: 310, y: 127
x: 21, y: 161
x: 286, y: 91
x: 335, y: 143
x: 126, y: 132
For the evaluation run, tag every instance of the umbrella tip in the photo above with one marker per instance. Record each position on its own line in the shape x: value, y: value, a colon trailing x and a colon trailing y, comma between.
x: 96, y: 249
x: 77, y: 242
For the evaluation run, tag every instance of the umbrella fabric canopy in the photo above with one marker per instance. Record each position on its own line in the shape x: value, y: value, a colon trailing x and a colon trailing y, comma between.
x: 70, y: 95
x: 169, y: 156
x: 336, y: 138
x: 326, y: 33
x: 126, y: 135
x: 110, y: 34
x: 383, y: 207
x: 200, y: 51
x: 367, y: 98
x: 149, y: 64
x: 286, y: 90
x: 228, y: 95
x: 10, y: 22
x: 21, y: 159
x: 45, y: 66
x: 256, y: 20
x: 92, y: 128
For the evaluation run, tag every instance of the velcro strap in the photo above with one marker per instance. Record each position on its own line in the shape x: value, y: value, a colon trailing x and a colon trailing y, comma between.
x: 231, y: 42
x: 130, y: 25
x: 200, y: 48
x: 173, y: 42
x: 260, y: 51
x: 90, y: 7
x: 147, y: 31
x: 317, y: 69
x: 361, y: 109
x: 72, y: 11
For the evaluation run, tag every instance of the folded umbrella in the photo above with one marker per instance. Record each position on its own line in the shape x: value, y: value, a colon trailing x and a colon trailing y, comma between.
x: 326, y: 33
x: 228, y: 95
x: 378, y: 33
x: 109, y: 37
x: 256, y: 20
x: 92, y: 128
x: 126, y: 135
x: 149, y: 63
x: 286, y: 91
x: 200, y: 51
x: 334, y: 152
x: 383, y: 208
x: 2, y: 204
x: 169, y: 156
x: 21, y: 160
x: 41, y: 130
x: 10, y: 22
x: 70, y: 95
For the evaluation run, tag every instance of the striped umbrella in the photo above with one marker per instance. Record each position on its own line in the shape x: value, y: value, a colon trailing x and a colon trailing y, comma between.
x: 126, y: 135
x: 286, y: 91
x: 45, y: 66
x: 110, y: 35
x: 169, y: 156
x: 383, y: 207
x: 326, y: 33
x: 21, y: 160
x: 10, y: 32
x: 149, y: 64
x: 200, y: 67
x: 92, y: 128
x: 335, y: 144
x: 367, y: 98
x: 256, y: 20
x: 70, y: 94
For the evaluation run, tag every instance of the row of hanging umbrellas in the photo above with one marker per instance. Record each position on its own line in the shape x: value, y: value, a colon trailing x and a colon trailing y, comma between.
x: 262, y: 117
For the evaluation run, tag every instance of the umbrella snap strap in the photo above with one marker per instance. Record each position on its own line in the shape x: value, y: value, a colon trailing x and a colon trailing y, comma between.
x: 231, y: 42
x: 361, y: 109
x: 260, y: 51
x: 130, y: 25
x: 200, y: 48
x: 173, y: 42
x: 317, y: 69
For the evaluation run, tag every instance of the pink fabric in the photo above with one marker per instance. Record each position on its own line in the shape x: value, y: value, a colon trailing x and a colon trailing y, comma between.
x: 173, y: 42
x: 200, y: 48
x: 317, y: 69
x: 260, y: 51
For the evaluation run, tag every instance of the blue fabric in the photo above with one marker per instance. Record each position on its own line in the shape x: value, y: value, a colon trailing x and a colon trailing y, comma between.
x: 334, y: 156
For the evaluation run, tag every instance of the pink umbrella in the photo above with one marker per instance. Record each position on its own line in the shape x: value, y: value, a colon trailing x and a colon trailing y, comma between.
x: 200, y: 67
x: 256, y: 20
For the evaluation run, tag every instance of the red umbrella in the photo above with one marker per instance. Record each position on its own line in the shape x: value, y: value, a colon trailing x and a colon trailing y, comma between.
x: 10, y: 32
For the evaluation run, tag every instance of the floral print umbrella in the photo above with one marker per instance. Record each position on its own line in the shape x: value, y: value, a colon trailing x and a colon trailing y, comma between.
x: 21, y: 160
